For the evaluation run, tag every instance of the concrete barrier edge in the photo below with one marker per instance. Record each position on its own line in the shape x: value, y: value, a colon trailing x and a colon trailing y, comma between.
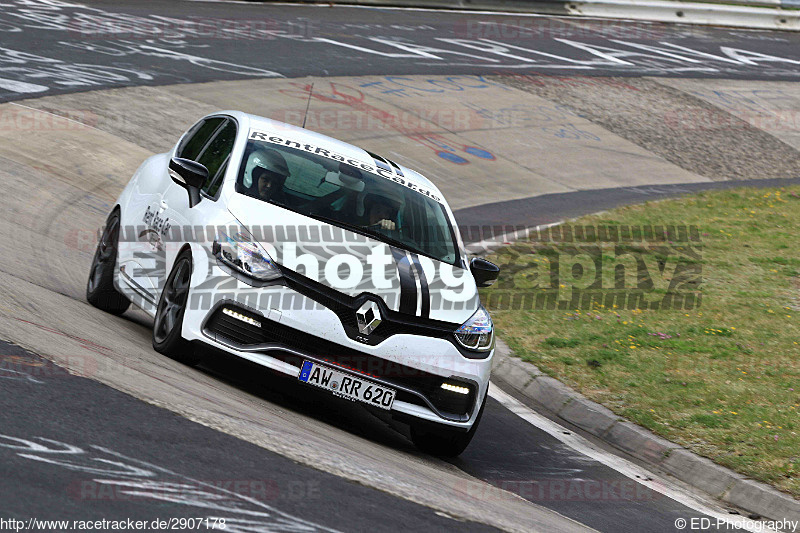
x: 527, y: 380
x: 765, y: 15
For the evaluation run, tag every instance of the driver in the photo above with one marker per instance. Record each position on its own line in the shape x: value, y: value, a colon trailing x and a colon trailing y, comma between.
x: 268, y: 170
x: 383, y: 210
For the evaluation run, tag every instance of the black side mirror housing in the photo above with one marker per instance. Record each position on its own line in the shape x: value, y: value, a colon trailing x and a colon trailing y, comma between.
x: 190, y: 175
x: 485, y: 272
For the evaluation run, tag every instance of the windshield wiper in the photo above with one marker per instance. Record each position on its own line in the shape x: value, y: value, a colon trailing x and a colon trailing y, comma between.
x: 401, y: 244
x: 342, y: 224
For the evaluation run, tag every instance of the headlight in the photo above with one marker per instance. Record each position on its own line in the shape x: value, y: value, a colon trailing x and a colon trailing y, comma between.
x: 244, y: 255
x: 477, y: 333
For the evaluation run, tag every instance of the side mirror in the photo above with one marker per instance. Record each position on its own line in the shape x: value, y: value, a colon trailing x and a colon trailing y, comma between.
x: 190, y: 175
x: 485, y: 272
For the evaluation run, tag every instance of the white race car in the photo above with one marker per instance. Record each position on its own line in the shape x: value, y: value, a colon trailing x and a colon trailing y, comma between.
x: 309, y: 256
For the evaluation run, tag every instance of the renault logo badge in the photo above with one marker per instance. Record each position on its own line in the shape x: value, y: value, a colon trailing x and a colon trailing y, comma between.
x: 368, y: 317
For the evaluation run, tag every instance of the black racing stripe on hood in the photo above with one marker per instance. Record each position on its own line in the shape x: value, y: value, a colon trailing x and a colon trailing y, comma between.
x: 423, y: 283
x: 408, y: 287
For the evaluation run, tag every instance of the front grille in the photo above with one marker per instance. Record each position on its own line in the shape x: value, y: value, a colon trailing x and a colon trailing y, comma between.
x: 452, y: 405
x: 345, y: 307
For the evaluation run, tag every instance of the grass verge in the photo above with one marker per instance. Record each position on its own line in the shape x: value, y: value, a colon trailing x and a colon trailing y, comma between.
x: 722, y: 379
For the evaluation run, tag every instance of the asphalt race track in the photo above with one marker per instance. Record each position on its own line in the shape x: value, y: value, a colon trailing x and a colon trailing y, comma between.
x: 94, y: 424
x: 159, y: 42
x: 118, y: 457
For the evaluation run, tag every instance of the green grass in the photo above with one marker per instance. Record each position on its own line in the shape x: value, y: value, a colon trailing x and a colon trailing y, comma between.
x: 723, y: 379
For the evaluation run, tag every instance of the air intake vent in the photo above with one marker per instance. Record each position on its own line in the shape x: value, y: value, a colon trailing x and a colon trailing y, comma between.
x: 237, y: 325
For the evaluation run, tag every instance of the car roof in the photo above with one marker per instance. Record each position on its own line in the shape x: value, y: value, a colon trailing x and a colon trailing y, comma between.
x: 302, y: 135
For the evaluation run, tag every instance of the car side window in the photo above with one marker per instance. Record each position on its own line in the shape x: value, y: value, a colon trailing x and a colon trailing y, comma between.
x: 214, y: 184
x: 197, y: 137
x: 216, y: 154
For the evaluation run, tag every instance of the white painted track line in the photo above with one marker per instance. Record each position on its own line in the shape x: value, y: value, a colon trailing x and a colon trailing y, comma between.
x: 623, y: 466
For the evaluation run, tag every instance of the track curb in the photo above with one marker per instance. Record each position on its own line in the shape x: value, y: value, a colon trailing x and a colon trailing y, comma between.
x: 527, y: 380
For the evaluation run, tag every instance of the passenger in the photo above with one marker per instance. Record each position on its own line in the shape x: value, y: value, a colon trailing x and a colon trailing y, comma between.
x: 270, y: 185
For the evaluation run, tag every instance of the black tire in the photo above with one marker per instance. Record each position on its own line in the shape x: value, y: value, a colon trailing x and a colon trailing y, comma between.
x: 100, y: 290
x: 168, y: 323
x: 444, y: 442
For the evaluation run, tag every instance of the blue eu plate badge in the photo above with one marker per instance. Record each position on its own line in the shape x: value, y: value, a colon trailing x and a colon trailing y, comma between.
x: 305, y: 370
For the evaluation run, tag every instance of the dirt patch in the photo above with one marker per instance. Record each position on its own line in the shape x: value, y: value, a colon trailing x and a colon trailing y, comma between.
x: 681, y: 128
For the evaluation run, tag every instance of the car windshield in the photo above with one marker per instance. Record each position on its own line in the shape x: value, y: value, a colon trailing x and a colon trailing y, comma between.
x: 348, y: 196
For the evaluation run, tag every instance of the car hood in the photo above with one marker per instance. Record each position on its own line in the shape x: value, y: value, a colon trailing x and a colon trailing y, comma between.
x: 354, y: 264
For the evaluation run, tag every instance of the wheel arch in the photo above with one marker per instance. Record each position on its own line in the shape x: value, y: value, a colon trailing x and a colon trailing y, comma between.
x: 200, y: 261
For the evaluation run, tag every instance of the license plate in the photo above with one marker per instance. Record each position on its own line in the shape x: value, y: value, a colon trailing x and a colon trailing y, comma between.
x: 346, y: 385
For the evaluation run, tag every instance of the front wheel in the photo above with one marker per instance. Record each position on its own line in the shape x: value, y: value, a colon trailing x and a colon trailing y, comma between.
x: 100, y: 290
x: 444, y: 442
x: 168, y: 322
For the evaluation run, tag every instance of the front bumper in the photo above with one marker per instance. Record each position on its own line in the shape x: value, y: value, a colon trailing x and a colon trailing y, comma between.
x: 293, y: 328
